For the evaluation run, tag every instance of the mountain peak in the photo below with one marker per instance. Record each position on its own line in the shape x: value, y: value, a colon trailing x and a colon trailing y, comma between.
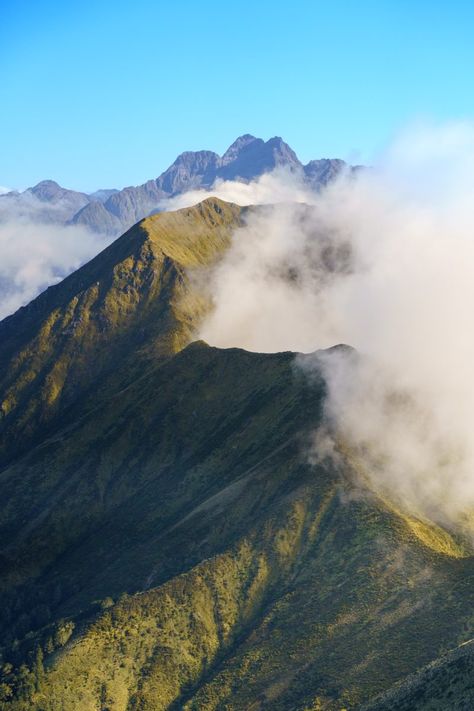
x: 319, y: 173
x: 189, y: 170
x: 282, y: 152
x: 51, y: 191
x: 250, y: 157
x: 235, y: 148
x: 276, y: 140
x: 47, y: 190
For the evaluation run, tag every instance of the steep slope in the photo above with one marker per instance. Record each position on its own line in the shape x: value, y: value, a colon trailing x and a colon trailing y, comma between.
x: 319, y: 173
x: 192, y: 169
x: 111, y: 316
x: 249, y: 157
x: 97, y: 218
x: 446, y: 683
x: 103, y: 194
x: 172, y: 533
x: 254, y: 579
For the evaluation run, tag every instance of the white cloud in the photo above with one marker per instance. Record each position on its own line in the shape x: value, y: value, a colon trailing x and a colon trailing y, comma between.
x: 404, y: 299
x: 383, y: 261
x: 278, y: 186
x: 36, y: 256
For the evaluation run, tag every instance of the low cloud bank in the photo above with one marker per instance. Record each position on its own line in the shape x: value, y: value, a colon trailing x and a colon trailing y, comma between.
x: 383, y: 261
x: 37, y: 251
x: 270, y: 188
x: 34, y: 256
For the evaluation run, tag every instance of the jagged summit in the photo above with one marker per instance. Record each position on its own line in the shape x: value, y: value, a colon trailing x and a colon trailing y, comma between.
x: 255, y: 157
x: 190, y: 170
x: 113, y: 211
x: 234, y: 149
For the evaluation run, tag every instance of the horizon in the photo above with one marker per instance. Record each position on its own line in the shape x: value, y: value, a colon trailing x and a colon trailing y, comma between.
x: 101, y: 97
x: 4, y: 189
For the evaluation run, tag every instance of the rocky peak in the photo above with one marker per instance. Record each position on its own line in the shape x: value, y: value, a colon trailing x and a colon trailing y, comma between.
x: 47, y: 190
x: 237, y: 146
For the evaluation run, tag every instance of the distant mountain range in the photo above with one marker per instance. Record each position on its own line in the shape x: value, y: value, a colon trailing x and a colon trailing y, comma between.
x: 113, y: 211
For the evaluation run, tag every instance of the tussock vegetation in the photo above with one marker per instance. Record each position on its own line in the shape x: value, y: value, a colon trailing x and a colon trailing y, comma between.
x: 108, y: 320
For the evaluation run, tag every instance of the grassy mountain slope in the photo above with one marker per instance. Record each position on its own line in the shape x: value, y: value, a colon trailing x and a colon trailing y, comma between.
x: 117, y: 313
x: 253, y: 577
x: 170, y: 536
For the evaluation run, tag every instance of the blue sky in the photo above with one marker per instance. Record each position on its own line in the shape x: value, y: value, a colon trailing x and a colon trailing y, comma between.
x: 106, y: 94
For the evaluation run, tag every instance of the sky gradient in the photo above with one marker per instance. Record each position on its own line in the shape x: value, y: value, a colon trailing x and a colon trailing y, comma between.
x: 106, y: 94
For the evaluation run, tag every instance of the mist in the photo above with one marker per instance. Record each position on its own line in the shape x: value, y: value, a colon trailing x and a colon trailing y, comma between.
x: 280, y: 185
x: 34, y: 256
x: 382, y: 261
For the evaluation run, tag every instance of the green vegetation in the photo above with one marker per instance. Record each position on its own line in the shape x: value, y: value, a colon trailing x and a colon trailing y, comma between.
x: 446, y: 683
x: 166, y: 542
x: 108, y: 321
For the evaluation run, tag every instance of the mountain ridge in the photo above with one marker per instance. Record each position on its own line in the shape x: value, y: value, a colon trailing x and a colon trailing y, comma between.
x: 172, y: 533
x: 114, y: 211
x: 117, y: 292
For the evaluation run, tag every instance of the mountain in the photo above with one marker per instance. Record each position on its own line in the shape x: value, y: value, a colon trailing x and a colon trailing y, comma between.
x: 249, y: 157
x: 47, y: 202
x: 173, y: 535
x: 246, y: 159
x: 113, y: 211
x: 102, y: 195
x: 113, y: 316
x: 446, y: 683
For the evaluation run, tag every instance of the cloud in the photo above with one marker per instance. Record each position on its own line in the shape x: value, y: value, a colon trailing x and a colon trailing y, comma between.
x: 4, y: 190
x: 269, y: 291
x: 383, y: 261
x: 278, y: 186
x: 35, y: 256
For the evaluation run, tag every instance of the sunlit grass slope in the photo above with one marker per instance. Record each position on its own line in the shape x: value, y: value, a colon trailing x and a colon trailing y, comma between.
x: 112, y: 316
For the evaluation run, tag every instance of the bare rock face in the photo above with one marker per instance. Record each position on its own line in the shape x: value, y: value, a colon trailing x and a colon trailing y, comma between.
x: 319, y: 173
x: 97, y: 218
x: 190, y: 170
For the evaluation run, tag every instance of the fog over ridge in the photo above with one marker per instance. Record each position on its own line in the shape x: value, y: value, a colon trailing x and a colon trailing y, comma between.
x: 381, y: 259
x: 400, y: 289
x: 35, y: 256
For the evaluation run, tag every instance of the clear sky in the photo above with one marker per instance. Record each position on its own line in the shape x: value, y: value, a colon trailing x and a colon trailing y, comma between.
x: 106, y: 93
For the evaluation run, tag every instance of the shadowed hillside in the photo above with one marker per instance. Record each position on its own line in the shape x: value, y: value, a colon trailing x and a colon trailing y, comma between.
x: 446, y: 683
